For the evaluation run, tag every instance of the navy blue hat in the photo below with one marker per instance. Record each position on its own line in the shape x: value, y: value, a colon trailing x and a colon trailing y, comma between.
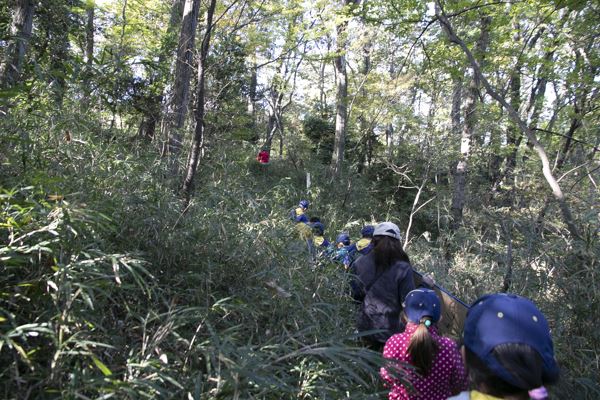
x: 502, y: 318
x: 304, y: 203
x: 421, y: 303
x: 343, y: 238
x: 367, y: 231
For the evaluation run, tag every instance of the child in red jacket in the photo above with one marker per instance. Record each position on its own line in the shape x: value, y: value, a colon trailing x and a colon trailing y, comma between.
x: 263, y: 157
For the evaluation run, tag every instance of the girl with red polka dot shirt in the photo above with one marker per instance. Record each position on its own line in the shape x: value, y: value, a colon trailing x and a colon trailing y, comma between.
x: 429, y: 366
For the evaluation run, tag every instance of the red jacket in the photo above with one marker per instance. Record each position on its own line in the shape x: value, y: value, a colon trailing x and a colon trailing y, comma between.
x: 263, y: 157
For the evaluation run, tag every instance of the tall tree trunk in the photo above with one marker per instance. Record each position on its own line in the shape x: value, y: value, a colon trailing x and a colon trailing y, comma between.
x: 538, y: 91
x: 322, y: 92
x: 324, y: 111
x: 117, y: 66
x: 514, y: 115
x: 198, y: 141
x: 251, y: 111
x: 579, y: 110
x: 341, y: 114
x: 180, y: 97
x: 364, y: 126
x: 20, y: 32
x: 280, y: 85
x: 152, y: 110
x: 514, y: 135
x: 468, y: 130
x: 89, y: 55
x: 389, y: 138
x: 456, y: 105
x: 271, y: 128
x: 389, y: 129
x: 455, y: 121
x: 59, y: 53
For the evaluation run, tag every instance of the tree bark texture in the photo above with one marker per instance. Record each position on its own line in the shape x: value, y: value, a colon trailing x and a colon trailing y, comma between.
x: 322, y: 92
x: 89, y: 56
x: 514, y: 115
x: 364, y: 126
x: 514, y: 136
x: 579, y: 99
x: 389, y: 129
x: 59, y: 53
x: 20, y: 33
x: 199, y: 133
x: 251, y: 111
x: 180, y: 97
x: 341, y: 113
x: 468, y: 131
x: 456, y: 105
x: 152, y: 105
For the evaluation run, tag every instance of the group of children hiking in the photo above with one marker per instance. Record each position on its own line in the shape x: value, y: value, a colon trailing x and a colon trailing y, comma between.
x: 342, y: 250
x: 506, y: 353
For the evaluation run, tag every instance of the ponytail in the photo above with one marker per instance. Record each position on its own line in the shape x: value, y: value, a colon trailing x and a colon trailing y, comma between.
x: 423, y: 348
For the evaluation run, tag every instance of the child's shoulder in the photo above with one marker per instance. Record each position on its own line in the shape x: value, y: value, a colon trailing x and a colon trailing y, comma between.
x: 398, y: 338
x: 447, y: 342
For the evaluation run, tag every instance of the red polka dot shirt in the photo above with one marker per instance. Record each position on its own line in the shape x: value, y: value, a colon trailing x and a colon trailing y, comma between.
x: 447, y: 376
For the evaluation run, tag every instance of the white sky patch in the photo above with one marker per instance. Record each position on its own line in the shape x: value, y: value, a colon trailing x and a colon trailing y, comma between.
x: 430, y: 9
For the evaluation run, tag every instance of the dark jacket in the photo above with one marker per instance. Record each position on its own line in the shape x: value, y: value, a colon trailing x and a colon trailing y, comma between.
x: 380, y: 294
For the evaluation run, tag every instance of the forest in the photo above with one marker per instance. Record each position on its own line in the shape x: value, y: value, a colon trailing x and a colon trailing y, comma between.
x: 145, y: 253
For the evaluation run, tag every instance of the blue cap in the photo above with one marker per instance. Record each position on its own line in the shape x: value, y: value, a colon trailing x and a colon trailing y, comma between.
x: 318, y: 227
x: 421, y: 303
x: 367, y: 231
x: 501, y: 318
x: 304, y: 203
x: 343, y: 238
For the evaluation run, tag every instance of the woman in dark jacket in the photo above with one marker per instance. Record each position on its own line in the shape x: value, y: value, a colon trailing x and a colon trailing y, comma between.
x: 382, y: 279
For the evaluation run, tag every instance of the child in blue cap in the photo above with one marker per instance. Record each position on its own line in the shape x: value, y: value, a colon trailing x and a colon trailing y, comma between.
x: 436, y: 369
x: 299, y: 213
x: 508, y: 349
x: 365, y: 244
x: 342, y: 250
x: 318, y: 230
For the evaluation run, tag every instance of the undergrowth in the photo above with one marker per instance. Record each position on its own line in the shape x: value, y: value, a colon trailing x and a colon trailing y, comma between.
x: 111, y: 288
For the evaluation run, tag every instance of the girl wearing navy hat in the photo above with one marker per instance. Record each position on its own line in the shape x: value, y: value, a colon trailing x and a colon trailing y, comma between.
x: 436, y: 369
x: 508, y: 349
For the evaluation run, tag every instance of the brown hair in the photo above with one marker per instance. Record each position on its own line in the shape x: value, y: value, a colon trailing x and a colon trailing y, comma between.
x: 520, y: 360
x: 422, y: 348
x: 387, y: 251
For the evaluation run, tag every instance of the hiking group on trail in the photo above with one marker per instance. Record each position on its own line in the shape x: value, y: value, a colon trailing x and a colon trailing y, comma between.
x: 342, y: 250
x: 506, y: 353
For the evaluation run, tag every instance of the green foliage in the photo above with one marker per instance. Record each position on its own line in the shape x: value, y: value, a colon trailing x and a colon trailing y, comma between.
x: 62, y: 295
x: 150, y: 302
x: 321, y: 133
x: 112, y: 288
